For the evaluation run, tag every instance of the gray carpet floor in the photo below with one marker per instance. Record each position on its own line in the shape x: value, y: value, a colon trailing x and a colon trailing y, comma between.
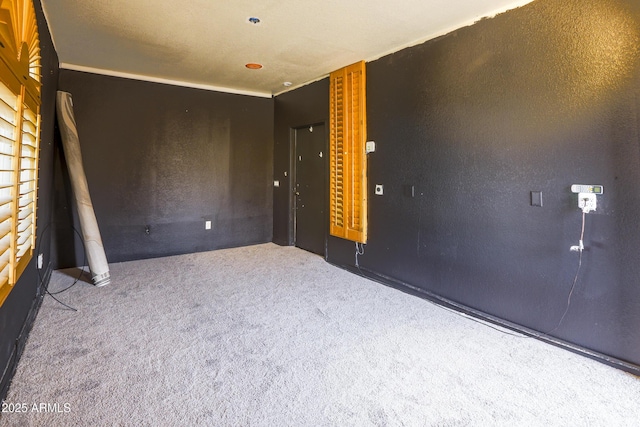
x: 275, y: 336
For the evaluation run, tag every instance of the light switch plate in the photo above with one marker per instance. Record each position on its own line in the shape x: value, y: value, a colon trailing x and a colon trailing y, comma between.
x: 370, y: 147
x: 409, y: 190
x: 379, y: 189
x: 536, y: 198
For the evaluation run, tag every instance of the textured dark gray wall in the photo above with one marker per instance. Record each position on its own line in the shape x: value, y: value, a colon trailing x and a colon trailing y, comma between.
x: 535, y: 99
x: 19, y: 309
x: 169, y: 158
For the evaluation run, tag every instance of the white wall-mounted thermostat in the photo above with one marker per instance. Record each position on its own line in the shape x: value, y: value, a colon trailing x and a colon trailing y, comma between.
x: 593, y: 189
x: 587, y: 196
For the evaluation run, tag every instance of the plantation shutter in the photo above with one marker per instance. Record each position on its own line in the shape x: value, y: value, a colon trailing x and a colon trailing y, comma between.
x: 348, y: 166
x: 19, y: 138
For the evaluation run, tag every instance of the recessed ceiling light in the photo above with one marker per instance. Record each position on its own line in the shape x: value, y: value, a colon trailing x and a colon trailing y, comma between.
x: 287, y: 84
x: 253, y: 66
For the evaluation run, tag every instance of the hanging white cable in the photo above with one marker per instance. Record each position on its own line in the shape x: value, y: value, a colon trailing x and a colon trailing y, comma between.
x: 580, y: 248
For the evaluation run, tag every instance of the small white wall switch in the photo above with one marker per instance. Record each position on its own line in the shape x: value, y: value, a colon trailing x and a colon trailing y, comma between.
x: 207, y: 225
x: 379, y: 189
x: 370, y: 146
x: 40, y: 261
x: 276, y: 183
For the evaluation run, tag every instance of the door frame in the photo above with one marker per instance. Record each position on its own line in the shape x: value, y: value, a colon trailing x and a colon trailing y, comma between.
x: 293, y: 155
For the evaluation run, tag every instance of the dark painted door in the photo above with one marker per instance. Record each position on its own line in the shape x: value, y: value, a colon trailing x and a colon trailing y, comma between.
x: 310, y: 222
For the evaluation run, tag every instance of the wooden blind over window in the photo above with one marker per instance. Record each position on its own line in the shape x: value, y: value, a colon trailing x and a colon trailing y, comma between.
x: 348, y: 165
x: 19, y: 138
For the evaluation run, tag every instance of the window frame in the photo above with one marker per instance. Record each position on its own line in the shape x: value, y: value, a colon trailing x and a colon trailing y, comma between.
x: 20, y: 76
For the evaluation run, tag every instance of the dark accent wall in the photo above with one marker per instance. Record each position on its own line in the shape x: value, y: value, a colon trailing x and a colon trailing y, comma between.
x: 535, y: 99
x: 161, y: 160
x: 20, y: 308
x: 304, y: 106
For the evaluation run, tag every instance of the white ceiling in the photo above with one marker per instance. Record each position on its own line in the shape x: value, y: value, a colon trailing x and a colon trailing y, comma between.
x: 206, y: 43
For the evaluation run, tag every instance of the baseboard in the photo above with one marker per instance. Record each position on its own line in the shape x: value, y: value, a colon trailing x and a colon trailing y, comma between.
x: 438, y: 300
x: 21, y: 341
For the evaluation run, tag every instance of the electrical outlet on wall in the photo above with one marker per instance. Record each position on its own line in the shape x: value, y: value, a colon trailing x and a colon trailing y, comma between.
x: 587, y: 202
x: 207, y: 225
x: 587, y: 196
